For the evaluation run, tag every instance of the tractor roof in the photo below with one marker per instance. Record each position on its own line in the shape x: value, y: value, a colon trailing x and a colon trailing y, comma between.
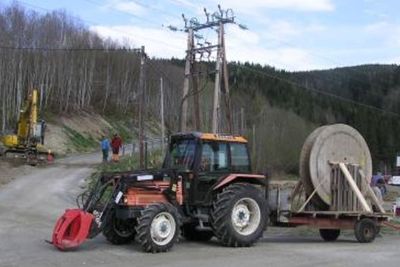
x: 212, y: 137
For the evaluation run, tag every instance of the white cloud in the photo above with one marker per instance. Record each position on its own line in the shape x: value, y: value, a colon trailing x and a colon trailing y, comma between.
x: 388, y: 33
x: 247, y: 46
x: 241, y: 46
x: 300, y: 5
x: 157, y: 42
x: 126, y: 7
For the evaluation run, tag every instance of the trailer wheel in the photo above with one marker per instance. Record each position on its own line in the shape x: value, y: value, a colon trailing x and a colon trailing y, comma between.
x: 118, y: 231
x: 365, y: 230
x: 329, y: 235
x: 239, y: 215
x: 192, y: 234
x: 158, y: 227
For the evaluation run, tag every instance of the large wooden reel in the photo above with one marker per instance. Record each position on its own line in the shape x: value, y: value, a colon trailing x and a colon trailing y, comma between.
x: 332, y: 143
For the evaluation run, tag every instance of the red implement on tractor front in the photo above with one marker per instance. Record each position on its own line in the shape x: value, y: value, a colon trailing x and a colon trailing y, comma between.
x: 72, y: 229
x: 75, y: 226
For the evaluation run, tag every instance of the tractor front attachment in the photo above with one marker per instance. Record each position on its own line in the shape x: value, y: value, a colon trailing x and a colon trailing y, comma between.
x: 77, y: 225
x: 72, y: 229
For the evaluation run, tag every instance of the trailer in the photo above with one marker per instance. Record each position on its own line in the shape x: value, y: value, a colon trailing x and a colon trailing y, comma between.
x: 349, y: 210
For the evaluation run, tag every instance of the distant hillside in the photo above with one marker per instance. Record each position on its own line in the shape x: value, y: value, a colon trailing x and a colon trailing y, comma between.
x: 77, y: 71
x: 366, y: 97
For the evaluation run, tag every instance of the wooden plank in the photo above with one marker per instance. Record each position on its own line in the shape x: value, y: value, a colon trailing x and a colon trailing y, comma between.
x: 371, y: 193
x: 312, y: 194
x: 354, y: 187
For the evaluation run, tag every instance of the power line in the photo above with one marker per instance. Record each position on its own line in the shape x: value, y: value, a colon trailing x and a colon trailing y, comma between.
x: 69, y: 49
x: 124, y: 33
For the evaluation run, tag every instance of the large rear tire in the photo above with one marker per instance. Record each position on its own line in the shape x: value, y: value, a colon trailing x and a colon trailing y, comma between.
x: 239, y: 215
x: 158, y: 227
x: 192, y: 234
x: 329, y: 235
x: 117, y: 231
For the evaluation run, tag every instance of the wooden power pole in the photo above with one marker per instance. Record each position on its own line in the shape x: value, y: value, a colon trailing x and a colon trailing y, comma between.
x: 142, y: 104
x: 162, y: 115
x: 193, y: 27
x: 185, y: 95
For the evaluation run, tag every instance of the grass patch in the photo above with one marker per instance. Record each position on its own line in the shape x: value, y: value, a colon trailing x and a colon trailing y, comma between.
x: 123, y: 130
x: 131, y: 163
x: 80, y: 142
x: 126, y: 163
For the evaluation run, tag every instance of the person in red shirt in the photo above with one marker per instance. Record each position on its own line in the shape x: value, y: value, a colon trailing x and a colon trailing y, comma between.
x: 116, y: 144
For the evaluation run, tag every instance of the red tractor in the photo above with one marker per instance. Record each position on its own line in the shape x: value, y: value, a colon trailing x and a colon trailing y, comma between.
x: 204, y: 189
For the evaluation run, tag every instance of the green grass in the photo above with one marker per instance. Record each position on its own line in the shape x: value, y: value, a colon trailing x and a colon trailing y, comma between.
x: 122, y: 130
x: 130, y: 163
x: 126, y: 163
x: 79, y: 142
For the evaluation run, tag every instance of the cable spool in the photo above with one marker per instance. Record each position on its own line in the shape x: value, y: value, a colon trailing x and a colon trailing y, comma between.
x: 333, y: 143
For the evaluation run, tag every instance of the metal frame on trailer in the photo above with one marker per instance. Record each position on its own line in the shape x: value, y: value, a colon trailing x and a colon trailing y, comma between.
x: 350, y: 208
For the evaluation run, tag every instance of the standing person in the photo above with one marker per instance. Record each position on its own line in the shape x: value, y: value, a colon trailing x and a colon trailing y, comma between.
x: 105, y: 147
x: 116, y: 144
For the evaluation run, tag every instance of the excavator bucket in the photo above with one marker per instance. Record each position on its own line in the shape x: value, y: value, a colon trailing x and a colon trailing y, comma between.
x: 72, y: 229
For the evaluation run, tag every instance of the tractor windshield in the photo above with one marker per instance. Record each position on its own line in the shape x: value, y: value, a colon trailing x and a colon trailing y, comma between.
x: 181, y: 154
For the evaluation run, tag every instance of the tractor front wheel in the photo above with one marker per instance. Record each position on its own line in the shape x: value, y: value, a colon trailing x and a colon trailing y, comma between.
x: 118, y: 231
x: 158, y: 227
x: 239, y: 215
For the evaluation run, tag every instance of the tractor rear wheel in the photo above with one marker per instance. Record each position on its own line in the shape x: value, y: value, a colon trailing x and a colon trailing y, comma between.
x: 329, y: 235
x: 118, y: 231
x: 158, y: 227
x: 192, y: 234
x: 239, y: 215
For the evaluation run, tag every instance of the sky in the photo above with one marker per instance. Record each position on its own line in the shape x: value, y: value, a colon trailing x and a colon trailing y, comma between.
x: 287, y: 34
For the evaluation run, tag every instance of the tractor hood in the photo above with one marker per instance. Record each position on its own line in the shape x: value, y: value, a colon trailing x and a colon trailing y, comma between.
x: 139, y: 176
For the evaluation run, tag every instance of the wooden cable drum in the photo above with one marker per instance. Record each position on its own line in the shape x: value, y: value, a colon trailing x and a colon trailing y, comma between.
x: 333, y: 143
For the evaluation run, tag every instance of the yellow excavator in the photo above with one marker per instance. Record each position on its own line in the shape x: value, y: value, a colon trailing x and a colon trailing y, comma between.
x: 28, y: 142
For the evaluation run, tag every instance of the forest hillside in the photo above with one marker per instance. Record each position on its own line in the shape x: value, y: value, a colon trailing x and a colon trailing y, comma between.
x: 77, y: 72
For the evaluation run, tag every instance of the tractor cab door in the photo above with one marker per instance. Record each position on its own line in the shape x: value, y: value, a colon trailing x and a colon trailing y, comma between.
x: 212, y: 164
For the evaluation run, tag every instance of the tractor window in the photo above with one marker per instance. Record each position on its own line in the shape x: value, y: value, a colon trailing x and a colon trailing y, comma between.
x: 181, y: 154
x: 240, y: 157
x: 214, y: 157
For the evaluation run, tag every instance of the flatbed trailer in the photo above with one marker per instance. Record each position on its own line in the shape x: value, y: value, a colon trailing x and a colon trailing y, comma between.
x: 285, y: 213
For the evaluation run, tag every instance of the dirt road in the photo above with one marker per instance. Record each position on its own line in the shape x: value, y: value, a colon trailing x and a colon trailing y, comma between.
x: 30, y: 204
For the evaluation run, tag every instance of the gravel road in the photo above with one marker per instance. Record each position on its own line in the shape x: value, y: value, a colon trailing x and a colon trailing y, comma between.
x: 30, y: 204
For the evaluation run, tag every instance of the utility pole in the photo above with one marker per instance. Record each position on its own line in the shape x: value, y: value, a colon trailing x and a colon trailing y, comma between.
x: 193, y: 27
x: 241, y: 121
x: 196, y: 97
x: 162, y: 115
x: 217, y: 85
x: 142, y: 104
x: 185, y: 95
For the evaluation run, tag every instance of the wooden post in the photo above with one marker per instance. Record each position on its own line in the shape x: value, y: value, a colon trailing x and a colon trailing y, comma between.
x: 227, y: 99
x: 146, y: 148
x: 242, y: 121
x: 217, y: 88
x: 162, y: 115
x: 196, y: 98
x: 184, y: 111
x: 354, y: 187
x: 141, y: 106
x: 371, y: 192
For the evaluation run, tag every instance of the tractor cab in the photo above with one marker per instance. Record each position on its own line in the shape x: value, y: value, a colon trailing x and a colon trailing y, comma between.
x: 208, y: 153
x: 206, y: 158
